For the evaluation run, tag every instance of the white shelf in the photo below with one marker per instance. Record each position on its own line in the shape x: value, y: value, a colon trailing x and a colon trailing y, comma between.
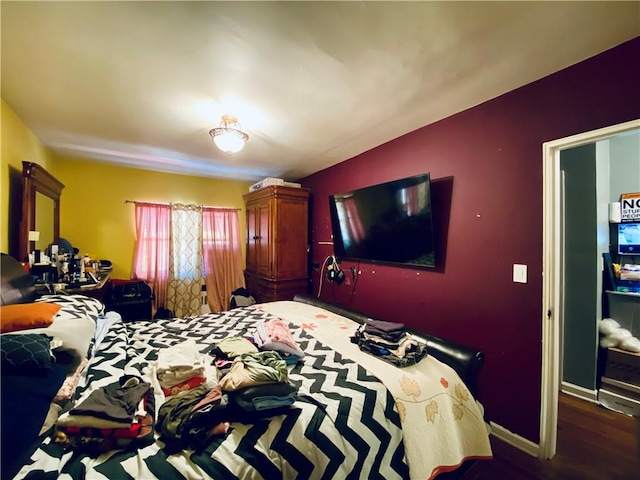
x: 626, y: 294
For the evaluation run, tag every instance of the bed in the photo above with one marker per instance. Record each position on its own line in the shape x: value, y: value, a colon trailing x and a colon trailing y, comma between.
x: 353, y: 415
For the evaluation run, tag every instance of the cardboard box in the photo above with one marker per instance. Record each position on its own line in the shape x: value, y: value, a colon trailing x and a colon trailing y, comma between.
x: 267, y: 182
x: 623, y: 366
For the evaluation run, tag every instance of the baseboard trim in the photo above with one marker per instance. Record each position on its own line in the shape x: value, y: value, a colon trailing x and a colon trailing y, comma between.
x: 515, y: 440
x: 580, y: 392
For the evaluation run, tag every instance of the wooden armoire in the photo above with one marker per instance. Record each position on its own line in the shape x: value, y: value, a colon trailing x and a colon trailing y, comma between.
x: 277, y: 242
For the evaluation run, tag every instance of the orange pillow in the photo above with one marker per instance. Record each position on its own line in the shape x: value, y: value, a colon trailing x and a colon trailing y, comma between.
x: 23, y: 316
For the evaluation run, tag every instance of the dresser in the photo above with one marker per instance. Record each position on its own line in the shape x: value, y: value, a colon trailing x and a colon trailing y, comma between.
x: 277, y: 242
x: 100, y: 290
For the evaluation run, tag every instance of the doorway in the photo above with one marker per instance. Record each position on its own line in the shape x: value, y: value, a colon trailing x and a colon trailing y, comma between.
x: 553, y: 275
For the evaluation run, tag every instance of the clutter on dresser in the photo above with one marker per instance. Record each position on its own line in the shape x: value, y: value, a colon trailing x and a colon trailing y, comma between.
x: 60, y: 268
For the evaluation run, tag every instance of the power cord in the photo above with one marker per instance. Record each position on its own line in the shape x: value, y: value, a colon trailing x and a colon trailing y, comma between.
x: 324, y: 264
x: 334, y: 272
x: 354, y: 277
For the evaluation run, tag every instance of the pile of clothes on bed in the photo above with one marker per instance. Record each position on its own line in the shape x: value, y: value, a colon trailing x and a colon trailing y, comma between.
x: 118, y: 416
x: 389, y: 341
x: 252, y: 382
x: 239, y: 379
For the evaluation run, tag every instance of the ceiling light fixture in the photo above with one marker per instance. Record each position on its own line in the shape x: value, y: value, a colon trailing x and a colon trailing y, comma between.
x: 229, y: 137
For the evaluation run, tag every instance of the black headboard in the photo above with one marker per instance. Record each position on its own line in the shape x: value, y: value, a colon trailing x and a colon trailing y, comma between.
x: 466, y: 361
x: 17, y: 285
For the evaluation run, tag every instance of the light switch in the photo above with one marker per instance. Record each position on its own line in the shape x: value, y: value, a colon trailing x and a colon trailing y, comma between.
x: 519, y: 273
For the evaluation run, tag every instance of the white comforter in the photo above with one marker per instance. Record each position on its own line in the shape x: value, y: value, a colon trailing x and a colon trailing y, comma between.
x: 442, y: 423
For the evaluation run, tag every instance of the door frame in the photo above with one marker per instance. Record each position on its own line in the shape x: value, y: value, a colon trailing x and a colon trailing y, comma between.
x: 551, y: 291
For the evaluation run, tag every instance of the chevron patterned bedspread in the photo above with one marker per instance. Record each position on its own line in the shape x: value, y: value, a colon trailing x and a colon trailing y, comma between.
x: 344, y: 424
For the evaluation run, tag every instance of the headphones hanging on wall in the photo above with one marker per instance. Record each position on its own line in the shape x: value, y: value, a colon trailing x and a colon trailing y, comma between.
x: 334, y: 272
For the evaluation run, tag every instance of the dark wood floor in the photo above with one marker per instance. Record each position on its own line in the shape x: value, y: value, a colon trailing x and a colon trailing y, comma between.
x: 594, y: 443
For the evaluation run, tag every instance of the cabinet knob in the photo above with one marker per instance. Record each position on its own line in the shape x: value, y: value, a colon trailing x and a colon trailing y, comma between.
x: 255, y: 237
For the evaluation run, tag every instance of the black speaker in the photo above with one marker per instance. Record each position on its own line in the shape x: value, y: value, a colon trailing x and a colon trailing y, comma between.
x: 132, y: 300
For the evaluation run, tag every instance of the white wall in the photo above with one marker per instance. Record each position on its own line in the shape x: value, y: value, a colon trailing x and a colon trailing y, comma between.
x: 624, y: 171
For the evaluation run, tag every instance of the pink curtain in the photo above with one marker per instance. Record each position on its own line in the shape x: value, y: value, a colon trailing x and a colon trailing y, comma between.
x: 412, y: 199
x: 151, y: 257
x: 222, y: 252
x: 356, y: 230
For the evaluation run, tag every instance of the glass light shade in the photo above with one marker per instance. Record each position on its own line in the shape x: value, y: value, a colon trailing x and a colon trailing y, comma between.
x: 229, y: 142
x: 228, y: 137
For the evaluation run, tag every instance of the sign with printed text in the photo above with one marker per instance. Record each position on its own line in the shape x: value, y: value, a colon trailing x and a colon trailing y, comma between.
x: 630, y: 207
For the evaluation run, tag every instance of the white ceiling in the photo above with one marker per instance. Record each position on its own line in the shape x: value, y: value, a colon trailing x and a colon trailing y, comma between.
x: 312, y: 83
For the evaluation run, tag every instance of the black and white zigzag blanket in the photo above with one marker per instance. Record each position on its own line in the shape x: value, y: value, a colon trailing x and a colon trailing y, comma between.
x: 343, y: 425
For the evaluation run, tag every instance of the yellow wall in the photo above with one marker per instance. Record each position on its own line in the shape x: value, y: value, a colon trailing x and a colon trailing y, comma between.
x: 17, y: 143
x: 96, y: 219
x: 94, y: 216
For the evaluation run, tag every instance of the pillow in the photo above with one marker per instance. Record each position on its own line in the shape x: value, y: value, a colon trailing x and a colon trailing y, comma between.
x: 75, y: 306
x: 26, y: 354
x: 23, y: 316
x: 76, y: 335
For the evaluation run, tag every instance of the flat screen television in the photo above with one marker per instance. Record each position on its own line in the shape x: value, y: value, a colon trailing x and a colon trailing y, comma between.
x: 386, y: 223
x: 629, y: 238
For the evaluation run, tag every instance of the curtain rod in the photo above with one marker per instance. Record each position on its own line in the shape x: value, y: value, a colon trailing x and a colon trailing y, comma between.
x: 163, y: 203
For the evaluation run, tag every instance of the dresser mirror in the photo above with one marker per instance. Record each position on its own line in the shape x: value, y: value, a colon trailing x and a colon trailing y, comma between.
x: 40, y: 209
x: 45, y: 208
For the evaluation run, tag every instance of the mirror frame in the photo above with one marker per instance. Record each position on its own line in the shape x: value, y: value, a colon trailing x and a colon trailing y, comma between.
x: 35, y: 179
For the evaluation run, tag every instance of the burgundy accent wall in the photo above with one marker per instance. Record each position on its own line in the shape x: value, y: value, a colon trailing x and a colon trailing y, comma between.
x: 486, y: 169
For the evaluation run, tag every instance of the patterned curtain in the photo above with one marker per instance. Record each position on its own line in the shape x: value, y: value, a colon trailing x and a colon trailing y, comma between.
x: 185, y: 268
x: 151, y: 257
x: 222, y: 251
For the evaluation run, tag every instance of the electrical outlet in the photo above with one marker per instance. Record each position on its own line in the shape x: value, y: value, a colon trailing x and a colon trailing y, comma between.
x: 519, y: 273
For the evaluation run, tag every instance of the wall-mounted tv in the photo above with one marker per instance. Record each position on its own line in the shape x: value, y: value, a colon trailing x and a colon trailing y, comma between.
x: 629, y: 238
x: 386, y: 223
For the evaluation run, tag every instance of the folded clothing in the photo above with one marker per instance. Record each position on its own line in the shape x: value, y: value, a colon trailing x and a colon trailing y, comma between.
x: 189, y: 384
x: 179, y: 363
x: 270, y: 389
x: 117, y: 401
x: 388, y: 330
x: 289, y: 359
x: 265, y: 403
x: 234, y: 346
x: 275, y: 335
x: 255, y: 369
x: 265, y: 397
x: 94, y: 436
x: 403, y: 352
x: 190, y: 418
